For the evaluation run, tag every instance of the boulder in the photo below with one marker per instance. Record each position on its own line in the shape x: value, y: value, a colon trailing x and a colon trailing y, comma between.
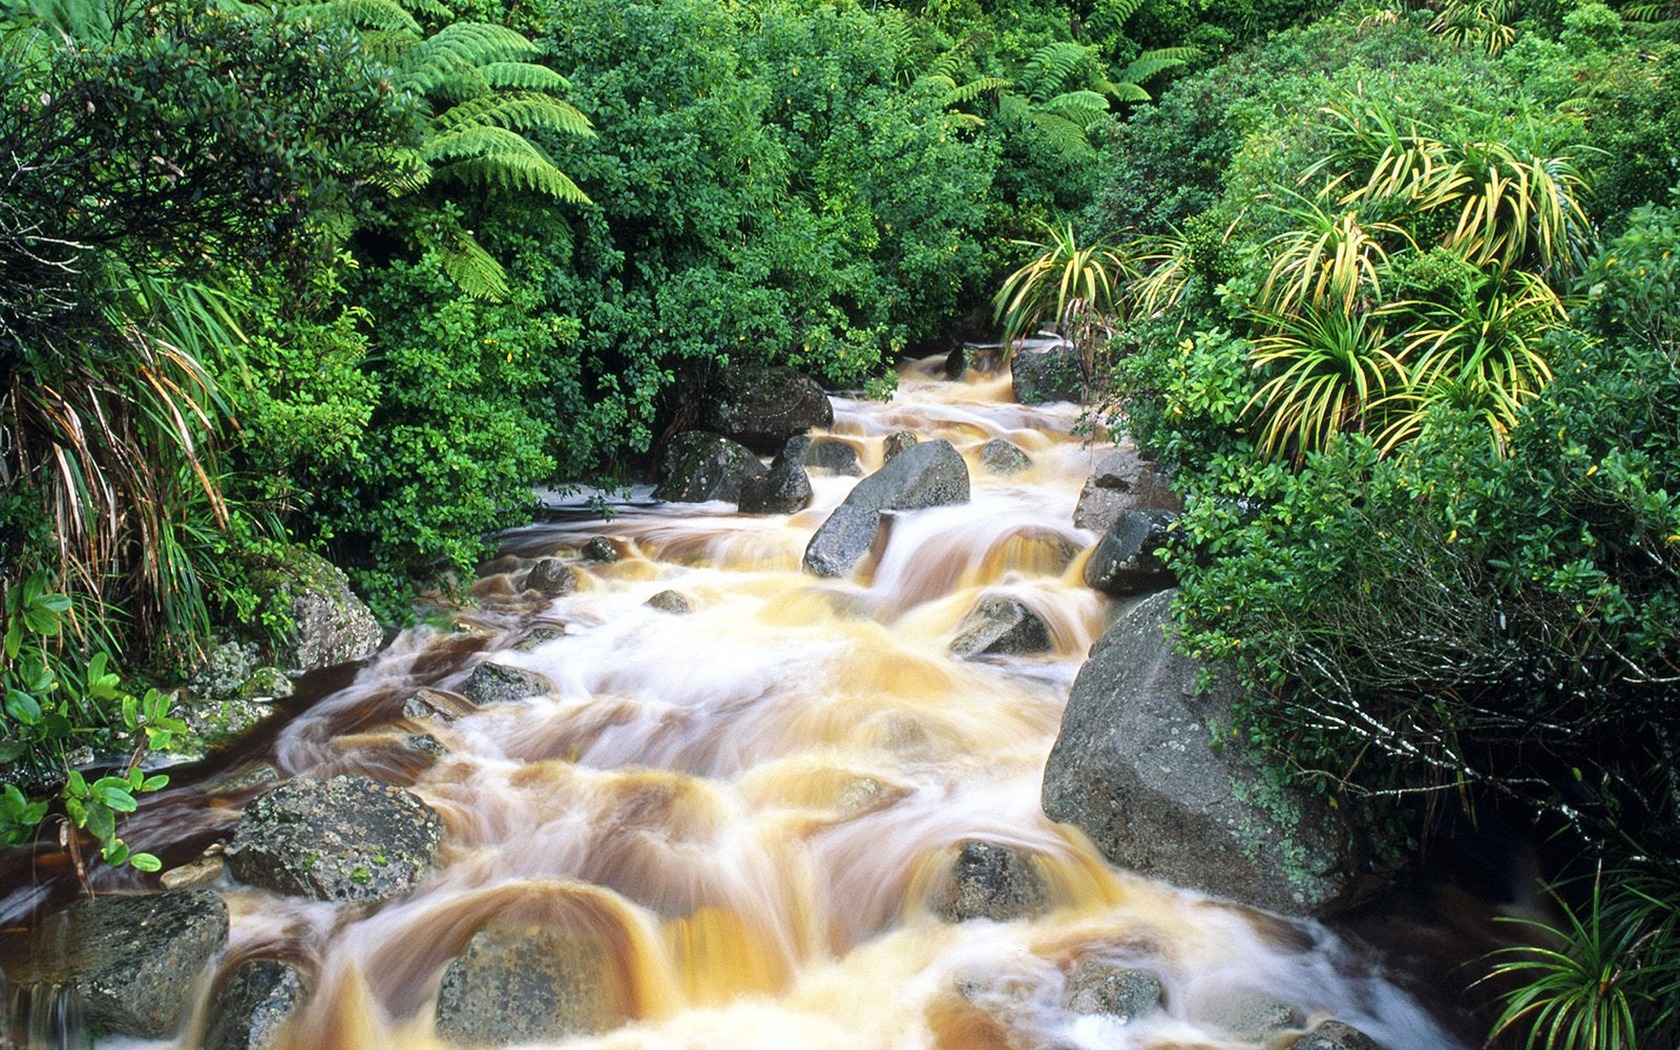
x: 991, y: 881
x: 133, y: 960
x: 761, y: 407
x: 1250, y: 1016
x: 1000, y: 457
x: 893, y: 444
x: 537, y: 637
x: 252, y: 1005
x: 785, y: 488
x: 1048, y: 373
x: 527, y: 984
x: 1136, y: 769
x: 1122, y: 480
x: 930, y: 474
x: 493, y: 683
x: 599, y: 548
x: 971, y: 358
x: 551, y: 578
x: 672, y: 602
x: 330, y: 625
x: 350, y: 838
x: 700, y: 467
x: 1001, y: 626
x: 1098, y: 986
x: 1336, y: 1035
x: 1124, y: 561
x: 436, y: 704
x: 834, y: 456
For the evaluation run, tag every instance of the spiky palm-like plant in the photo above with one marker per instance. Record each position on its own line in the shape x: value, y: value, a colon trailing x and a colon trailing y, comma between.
x: 1483, y: 24
x: 1324, y: 368
x: 1078, y: 288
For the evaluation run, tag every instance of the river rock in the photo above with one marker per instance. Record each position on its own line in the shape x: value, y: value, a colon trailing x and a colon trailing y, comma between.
x: 1124, y: 561
x: 1122, y: 480
x: 1048, y: 373
x: 834, y: 456
x: 350, y: 838
x: 893, y: 444
x: 700, y: 467
x: 1134, y: 767
x: 785, y: 488
x: 528, y: 984
x: 551, y: 578
x: 930, y: 474
x: 1001, y: 457
x: 672, y: 602
x: 330, y: 625
x: 762, y: 406
x: 1098, y: 986
x: 971, y: 358
x: 537, y: 637
x: 1001, y: 626
x: 494, y: 683
x: 133, y: 960
x: 1336, y: 1035
x: 1250, y: 1016
x: 436, y: 704
x: 992, y: 881
x: 252, y: 1005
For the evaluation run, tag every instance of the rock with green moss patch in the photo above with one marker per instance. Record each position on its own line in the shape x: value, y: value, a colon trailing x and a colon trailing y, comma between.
x: 350, y: 838
x: 329, y: 624
x: 1136, y: 769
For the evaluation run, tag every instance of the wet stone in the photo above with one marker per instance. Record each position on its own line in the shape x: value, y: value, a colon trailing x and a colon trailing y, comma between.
x: 990, y: 881
x: 525, y: 984
x: 198, y: 872
x: 893, y: 444
x: 785, y: 488
x: 673, y: 602
x: 834, y: 456
x: 1001, y: 626
x: 1051, y: 373
x: 493, y: 683
x: 700, y: 467
x: 132, y: 960
x: 350, y: 838
x: 1000, y: 457
x: 435, y: 704
x: 1124, y: 561
x: 252, y: 1006
x: 551, y: 578
x: 537, y: 637
x: 763, y: 406
x: 600, y: 549
x: 425, y: 744
x: 1336, y: 1035
x: 1101, y: 987
x: 931, y: 474
x: 1252, y: 1016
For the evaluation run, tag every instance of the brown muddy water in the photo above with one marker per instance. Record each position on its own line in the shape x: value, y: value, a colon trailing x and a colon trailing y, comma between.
x: 753, y: 804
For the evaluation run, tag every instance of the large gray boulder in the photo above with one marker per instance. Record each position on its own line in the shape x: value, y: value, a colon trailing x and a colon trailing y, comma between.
x: 761, y: 407
x: 1124, y: 561
x: 1122, y: 480
x: 1135, y: 768
x: 785, y: 488
x: 252, y: 1005
x: 330, y: 625
x: 929, y: 474
x: 1052, y: 372
x: 834, y: 456
x: 999, y: 626
x: 350, y: 838
x: 132, y: 960
x: 700, y: 467
x: 525, y: 984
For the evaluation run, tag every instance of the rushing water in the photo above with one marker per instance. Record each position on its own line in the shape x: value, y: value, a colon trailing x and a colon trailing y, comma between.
x: 752, y: 805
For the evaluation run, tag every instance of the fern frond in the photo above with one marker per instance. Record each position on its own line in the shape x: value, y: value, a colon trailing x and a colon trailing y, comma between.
x: 517, y: 111
x: 519, y: 171
x: 1012, y: 107
x: 383, y: 15
x: 1123, y: 91
x: 405, y: 171
x: 475, y: 43
x: 472, y: 268
x: 966, y: 120
x: 964, y: 93
x: 435, y: 9
x: 1052, y: 66
x: 388, y: 46
x: 522, y: 76
x: 1063, y: 134
x: 1154, y: 63
x: 1080, y: 107
x: 1120, y: 10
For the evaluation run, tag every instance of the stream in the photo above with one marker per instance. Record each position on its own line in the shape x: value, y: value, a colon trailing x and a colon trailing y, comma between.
x: 751, y: 807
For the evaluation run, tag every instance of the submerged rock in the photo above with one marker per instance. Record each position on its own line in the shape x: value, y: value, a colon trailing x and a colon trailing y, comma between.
x: 493, y: 683
x: 350, y: 838
x: 700, y: 467
x: 992, y: 881
x: 672, y: 602
x: 1122, y: 480
x: 931, y: 474
x: 1124, y: 561
x: 1098, y: 986
x: 785, y: 488
x: 1001, y: 457
x: 834, y: 456
x: 253, y: 1005
x: 893, y: 444
x: 1336, y: 1035
x: 1001, y: 626
x: 600, y: 549
x: 1251, y: 1016
x: 525, y: 984
x: 1135, y: 768
x: 436, y: 704
x: 133, y: 960
x: 762, y: 406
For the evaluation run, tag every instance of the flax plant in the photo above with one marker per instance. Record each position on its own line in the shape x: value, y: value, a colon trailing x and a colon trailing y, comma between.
x: 1079, y: 289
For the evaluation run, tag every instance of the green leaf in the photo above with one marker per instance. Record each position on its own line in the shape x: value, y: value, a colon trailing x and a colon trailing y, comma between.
x: 23, y: 707
x: 145, y: 862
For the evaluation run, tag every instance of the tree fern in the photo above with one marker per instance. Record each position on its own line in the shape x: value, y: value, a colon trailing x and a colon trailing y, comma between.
x: 1051, y: 69
x: 1064, y: 135
x: 515, y: 111
x: 522, y: 76
x: 475, y: 270
x: 384, y: 15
